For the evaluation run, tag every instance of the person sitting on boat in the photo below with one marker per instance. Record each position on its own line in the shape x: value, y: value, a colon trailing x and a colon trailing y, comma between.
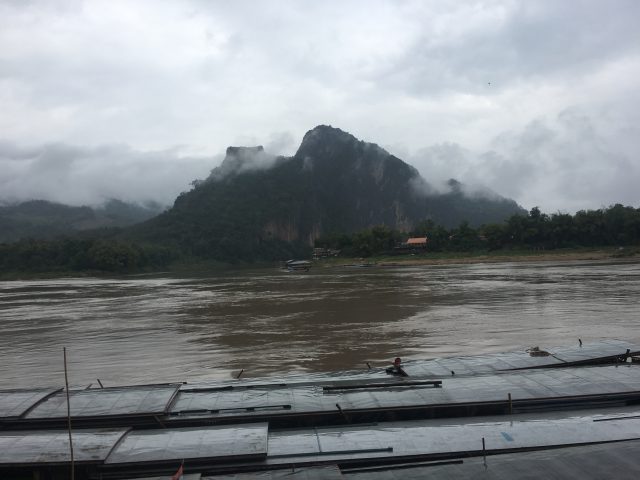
x: 396, y: 368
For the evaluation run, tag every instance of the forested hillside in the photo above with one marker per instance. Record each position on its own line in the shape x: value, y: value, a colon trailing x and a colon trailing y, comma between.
x: 258, y: 207
x: 617, y: 226
x: 336, y: 192
x: 39, y: 219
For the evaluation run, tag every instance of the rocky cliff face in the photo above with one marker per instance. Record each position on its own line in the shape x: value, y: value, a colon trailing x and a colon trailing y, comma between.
x: 357, y: 185
x: 334, y: 183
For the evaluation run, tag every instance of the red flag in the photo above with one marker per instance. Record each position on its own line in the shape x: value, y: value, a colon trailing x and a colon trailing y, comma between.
x: 178, y: 474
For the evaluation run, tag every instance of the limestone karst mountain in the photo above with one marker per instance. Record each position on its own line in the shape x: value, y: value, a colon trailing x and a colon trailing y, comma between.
x: 255, y: 205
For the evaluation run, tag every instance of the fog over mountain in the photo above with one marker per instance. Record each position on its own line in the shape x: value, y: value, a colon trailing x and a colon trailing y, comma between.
x: 92, y: 175
x: 133, y: 100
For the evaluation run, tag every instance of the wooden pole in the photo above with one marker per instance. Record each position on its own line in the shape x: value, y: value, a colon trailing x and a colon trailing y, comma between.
x: 66, y: 383
x: 484, y: 453
x: 344, y: 415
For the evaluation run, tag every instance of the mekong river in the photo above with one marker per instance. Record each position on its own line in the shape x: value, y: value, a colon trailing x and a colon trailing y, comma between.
x: 162, y: 328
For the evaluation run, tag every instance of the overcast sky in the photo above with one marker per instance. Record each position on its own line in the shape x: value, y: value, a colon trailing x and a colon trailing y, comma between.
x: 537, y: 100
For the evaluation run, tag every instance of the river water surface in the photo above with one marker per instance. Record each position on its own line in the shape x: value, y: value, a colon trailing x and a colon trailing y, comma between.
x: 158, y: 328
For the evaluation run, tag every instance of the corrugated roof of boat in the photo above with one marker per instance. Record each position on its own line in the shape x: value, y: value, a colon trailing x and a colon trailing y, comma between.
x: 52, y: 446
x: 620, y: 460
x: 328, y: 472
x: 185, y: 476
x: 442, y: 367
x: 457, y: 438
x: 218, y: 443
x: 533, y: 384
x: 113, y: 401
x: 15, y: 403
x: 307, y: 394
x: 251, y: 443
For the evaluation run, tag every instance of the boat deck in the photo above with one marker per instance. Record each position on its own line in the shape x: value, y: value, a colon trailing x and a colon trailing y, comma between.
x: 498, y: 408
x: 119, y: 453
x: 484, y: 387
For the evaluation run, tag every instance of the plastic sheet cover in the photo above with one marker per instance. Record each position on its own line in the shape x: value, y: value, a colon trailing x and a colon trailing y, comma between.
x: 227, y: 442
x: 138, y: 400
x: 14, y: 403
x: 442, y: 367
x: 593, y: 462
x: 521, y: 385
x: 604, y: 348
x: 186, y: 476
x: 482, y: 364
x: 330, y: 472
x: 459, y: 437
x: 51, y: 447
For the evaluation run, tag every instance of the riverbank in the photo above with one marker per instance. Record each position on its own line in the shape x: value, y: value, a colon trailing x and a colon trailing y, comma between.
x: 191, y: 266
x: 451, y: 258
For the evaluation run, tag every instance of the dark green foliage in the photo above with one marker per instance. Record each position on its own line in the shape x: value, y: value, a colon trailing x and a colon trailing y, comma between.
x: 614, y: 226
x: 225, y: 219
x: 364, y: 243
x: 495, y: 235
x: 42, y: 219
x: 73, y: 254
x: 438, y: 235
x: 464, y: 238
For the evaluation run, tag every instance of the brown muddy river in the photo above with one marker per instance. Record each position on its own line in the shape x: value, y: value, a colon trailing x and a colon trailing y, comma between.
x: 165, y: 328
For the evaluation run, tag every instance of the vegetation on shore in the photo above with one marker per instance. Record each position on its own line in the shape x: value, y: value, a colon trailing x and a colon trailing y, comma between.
x: 66, y: 255
x: 610, y: 232
x: 485, y: 256
x: 615, y: 226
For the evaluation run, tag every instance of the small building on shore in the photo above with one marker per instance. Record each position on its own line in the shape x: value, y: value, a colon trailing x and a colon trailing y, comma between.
x: 417, y: 242
x: 412, y: 245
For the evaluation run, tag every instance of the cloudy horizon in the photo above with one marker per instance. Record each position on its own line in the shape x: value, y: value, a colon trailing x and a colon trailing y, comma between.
x: 134, y: 100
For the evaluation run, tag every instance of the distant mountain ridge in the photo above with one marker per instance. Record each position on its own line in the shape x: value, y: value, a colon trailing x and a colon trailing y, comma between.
x: 255, y: 205
x: 41, y: 219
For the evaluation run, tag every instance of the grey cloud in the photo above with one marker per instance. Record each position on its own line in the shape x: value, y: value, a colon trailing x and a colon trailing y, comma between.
x: 89, y: 176
x: 506, y: 43
x: 206, y: 74
x: 281, y: 143
x: 240, y: 160
x: 441, y: 162
x: 563, y: 164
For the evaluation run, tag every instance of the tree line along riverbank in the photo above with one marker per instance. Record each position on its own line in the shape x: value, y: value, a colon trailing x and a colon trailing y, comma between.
x: 621, y: 254
x: 613, y: 232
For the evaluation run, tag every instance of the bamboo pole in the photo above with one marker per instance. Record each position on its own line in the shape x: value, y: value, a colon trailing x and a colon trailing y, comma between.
x: 66, y: 383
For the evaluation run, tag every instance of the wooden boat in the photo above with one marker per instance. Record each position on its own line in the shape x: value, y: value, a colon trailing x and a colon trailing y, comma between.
x: 298, y: 265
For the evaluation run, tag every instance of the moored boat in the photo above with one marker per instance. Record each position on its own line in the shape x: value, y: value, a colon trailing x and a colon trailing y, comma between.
x: 298, y: 265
